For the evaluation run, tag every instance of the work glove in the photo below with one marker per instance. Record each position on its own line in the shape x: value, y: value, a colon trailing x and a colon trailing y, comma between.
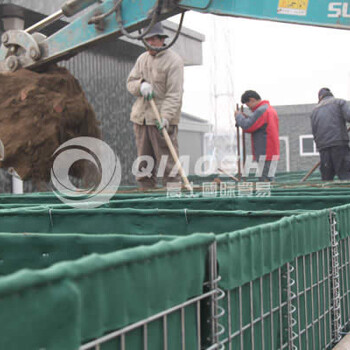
x: 164, y: 123
x: 146, y: 90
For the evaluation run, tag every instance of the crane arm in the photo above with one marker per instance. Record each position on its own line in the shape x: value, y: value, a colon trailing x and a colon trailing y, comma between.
x: 103, y: 19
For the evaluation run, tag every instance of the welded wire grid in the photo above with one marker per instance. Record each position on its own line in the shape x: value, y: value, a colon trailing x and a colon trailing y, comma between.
x: 255, y: 314
x: 313, y: 301
x: 195, y: 321
x: 119, y: 338
x: 290, y: 308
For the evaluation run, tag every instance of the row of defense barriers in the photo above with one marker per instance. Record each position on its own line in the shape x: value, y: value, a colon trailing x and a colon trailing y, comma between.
x: 281, y: 284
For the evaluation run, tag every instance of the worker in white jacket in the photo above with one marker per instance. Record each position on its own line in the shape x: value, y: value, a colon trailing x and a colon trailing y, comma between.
x: 157, y: 75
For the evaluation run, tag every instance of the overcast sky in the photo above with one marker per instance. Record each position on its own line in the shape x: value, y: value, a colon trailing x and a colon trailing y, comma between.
x: 286, y: 64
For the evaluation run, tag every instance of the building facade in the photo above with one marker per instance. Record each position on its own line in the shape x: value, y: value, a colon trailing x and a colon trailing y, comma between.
x: 298, y: 149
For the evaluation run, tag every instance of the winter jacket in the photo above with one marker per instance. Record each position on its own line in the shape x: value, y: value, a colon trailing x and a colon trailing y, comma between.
x: 165, y: 73
x: 263, y: 125
x: 328, y: 122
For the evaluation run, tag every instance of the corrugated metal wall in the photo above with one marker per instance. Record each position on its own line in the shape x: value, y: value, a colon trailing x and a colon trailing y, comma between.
x: 103, y: 78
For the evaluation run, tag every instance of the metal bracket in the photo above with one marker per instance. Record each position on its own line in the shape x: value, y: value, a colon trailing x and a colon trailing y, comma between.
x: 19, y: 49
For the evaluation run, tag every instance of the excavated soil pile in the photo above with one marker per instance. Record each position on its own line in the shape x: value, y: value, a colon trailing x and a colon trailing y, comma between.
x: 39, y: 112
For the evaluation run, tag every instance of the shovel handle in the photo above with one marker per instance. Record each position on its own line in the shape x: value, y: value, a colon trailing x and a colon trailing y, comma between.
x: 171, y: 146
x: 310, y: 172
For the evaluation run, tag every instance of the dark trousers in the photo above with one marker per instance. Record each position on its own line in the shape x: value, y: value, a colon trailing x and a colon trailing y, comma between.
x: 268, y: 175
x: 265, y: 174
x: 335, y: 161
x: 150, y: 142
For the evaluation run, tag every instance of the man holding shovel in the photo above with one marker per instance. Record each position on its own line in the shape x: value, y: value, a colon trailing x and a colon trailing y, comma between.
x: 157, y: 76
x: 262, y: 124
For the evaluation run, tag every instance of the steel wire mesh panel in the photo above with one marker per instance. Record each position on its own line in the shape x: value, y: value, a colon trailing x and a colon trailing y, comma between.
x: 290, y: 308
x: 178, y: 328
x: 313, y: 301
x: 255, y: 314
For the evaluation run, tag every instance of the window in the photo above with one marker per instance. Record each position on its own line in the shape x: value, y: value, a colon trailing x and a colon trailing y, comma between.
x: 307, y: 145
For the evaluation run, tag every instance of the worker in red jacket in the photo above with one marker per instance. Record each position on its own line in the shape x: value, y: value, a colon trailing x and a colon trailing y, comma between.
x: 263, y: 125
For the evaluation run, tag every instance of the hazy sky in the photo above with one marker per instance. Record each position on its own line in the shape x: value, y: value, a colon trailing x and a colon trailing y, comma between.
x: 284, y: 63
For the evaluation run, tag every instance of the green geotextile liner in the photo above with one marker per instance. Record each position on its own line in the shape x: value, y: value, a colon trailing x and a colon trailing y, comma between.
x: 280, y: 177
x: 49, y: 198
x: 251, y: 253
x: 338, y: 196
x: 39, y: 251
x: 236, y: 203
x: 312, y: 192
x: 297, y: 198
x: 71, y: 302
x: 131, y: 221
x: 39, y: 198
x: 278, y: 201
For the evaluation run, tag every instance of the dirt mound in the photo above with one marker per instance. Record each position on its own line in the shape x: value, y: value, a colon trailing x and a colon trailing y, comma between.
x: 39, y: 112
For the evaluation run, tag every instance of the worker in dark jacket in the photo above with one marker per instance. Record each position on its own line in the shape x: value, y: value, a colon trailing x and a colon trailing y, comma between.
x: 263, y: 125
x: 328, y: 122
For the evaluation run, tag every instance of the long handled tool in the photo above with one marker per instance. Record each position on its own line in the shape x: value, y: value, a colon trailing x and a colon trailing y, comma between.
x: 171, y: 147
x: 243, y: 143
x: 314, y: 167
x: 310, y: 172
x: 238, y: 148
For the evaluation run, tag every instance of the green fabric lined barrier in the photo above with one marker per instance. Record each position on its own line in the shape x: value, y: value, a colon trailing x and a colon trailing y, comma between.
x: 284, y: 190
x: 251, y: 244
x: 246, y: 256
x: 70, y: 303
x: 313, y: 192
x: 39, y: 251
x: 39, y: 198
x: 310, y: 189
x: 260, y: 296
x: 237, y: 203
x: 289, y: 199
x: 280, y: 177
x: 131, y: 221
x: 251, y: 253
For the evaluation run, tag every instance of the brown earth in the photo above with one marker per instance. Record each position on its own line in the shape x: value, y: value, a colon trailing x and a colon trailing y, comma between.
x: 39, y: 112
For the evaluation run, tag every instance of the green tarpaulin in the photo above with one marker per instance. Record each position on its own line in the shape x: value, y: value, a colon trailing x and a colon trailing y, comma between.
x: 70, y: 303
x: 178, y: 222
